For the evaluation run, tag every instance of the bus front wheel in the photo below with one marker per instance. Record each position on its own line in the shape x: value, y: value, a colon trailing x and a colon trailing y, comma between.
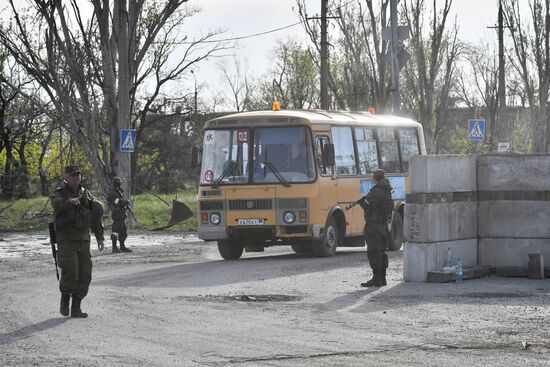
x: 230, y: 249
x: 327, y: 245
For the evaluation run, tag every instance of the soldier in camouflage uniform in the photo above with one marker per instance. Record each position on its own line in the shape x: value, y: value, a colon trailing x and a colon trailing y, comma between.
x: 118, y: 204
x: 75, y: 213
x: 377, y: 206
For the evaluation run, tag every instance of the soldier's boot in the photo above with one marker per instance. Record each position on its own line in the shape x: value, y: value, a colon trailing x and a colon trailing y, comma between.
x: 75, y: 309
x: 64, y: 305
x: 385, y: 263
x: 124, y: 248
x: 115, y: 249
x: 374, y: 282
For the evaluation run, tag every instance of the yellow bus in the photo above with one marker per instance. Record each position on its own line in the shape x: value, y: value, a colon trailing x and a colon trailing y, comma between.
x: 281, y: 177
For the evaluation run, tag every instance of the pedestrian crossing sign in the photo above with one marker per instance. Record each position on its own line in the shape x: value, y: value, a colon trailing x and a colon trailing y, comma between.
x: 127, y: 140
x: 476, y: 130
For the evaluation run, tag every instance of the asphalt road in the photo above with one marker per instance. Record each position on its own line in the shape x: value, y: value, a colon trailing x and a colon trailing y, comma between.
x: 174, y: 302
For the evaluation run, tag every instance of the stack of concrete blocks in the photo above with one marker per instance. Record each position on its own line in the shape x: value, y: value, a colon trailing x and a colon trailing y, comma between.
x: 441, y: 213
x: 514, y: 209
x: 490, y: 210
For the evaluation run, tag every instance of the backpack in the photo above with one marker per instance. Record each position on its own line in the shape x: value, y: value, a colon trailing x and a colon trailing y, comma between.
x: 387, y: 206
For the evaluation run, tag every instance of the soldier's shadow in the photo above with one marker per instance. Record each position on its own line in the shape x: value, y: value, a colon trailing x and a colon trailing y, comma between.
x: 26, y: 331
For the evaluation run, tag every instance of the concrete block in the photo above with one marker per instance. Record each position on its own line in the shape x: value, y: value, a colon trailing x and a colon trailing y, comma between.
x: 501, y: 252
x: 513, y: 172
x: 514, y: 219
x: 420, y: 258
x: 440, y: 222
x: 442, y: 173
x: 467, y: 273
x: 535, y: 266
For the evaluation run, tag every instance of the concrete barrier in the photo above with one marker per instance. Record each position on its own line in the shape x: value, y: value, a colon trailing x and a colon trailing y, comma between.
x: 442, y: 173
x: 440, y: 222
x: 490, y: 209
x: 420, y: 258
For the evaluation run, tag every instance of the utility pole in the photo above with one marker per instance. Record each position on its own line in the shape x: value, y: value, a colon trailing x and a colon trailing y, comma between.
x: 503, y: 125
x: 398, y: 56
x: 122, y: 165
x: 324, y: 56
x: 396, y: 97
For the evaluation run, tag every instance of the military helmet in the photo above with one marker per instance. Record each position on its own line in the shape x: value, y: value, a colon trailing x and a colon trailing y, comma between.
x: 97, y: 208
x: 379, y: 174
x: 117, y: 180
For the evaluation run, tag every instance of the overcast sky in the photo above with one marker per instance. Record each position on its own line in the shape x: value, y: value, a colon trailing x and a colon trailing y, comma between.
x: 245, y: 17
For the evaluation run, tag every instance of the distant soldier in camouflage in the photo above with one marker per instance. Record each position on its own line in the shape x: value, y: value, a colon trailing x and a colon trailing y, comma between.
x: 118, y: 204
x: 378, y: 207
x: 75, y: 213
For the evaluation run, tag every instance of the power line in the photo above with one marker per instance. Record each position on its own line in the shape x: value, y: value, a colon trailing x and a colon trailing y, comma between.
x: 243, y: 37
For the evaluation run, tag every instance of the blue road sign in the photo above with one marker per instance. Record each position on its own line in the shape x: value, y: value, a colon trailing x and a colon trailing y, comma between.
x: 476, y: 130
x: 127, y: 140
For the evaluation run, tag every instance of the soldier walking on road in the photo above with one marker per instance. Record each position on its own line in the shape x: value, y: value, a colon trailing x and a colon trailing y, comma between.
x: 118, y: 204
x: 378, y: 207
x: 75, y: 213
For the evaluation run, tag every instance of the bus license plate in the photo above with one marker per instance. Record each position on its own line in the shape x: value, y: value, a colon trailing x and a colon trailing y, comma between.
x: 250, y: 222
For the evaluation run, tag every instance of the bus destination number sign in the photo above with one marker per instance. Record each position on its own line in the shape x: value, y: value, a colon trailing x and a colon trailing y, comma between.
x: 242, y: 136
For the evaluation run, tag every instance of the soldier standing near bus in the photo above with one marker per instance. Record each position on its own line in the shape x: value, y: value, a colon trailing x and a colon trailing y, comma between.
x: 118, y: 204
x: 378, y: 207
x: 75, y: 213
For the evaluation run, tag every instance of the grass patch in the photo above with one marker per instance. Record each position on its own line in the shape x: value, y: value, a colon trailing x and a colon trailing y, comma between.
x: 150, y: 212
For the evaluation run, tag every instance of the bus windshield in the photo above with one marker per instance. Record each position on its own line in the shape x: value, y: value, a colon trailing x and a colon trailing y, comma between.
x: 285, y: 152
x: 279, y: 155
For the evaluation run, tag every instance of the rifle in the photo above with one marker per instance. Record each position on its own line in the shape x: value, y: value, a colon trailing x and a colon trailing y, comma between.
x: 362, y: 198
x: 51, y: 227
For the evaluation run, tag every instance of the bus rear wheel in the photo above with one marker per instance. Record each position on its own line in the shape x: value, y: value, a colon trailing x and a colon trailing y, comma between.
x: 395, y: 237
x: 230, y: 249
x: 327, y: 245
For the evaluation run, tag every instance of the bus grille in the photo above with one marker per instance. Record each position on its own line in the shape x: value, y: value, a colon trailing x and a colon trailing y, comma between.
x: 292, y: 203
x: 252, y: 204
x: 212, y: 205
x: 212, y: 193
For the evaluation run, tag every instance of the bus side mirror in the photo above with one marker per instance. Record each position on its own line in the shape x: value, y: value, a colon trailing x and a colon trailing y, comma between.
x: 328, y: 155
x: 194, y: 157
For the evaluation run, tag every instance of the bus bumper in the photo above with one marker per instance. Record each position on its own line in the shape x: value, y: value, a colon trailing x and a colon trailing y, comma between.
x: 212, y: 233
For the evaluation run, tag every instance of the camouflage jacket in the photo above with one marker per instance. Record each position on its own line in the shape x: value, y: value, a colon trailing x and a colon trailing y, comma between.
x: 73, y: 222
x: 118, y: 207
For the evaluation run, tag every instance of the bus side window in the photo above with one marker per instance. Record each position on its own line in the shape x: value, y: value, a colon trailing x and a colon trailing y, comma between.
x: 366, y: 148
x: 408, y: 142
x: 344, y: 151
x: 389, y: 153
x: 320, y: 142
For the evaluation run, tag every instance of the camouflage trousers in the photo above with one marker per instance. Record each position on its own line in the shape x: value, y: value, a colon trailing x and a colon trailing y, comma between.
x: 75, y: 261
x: 119, y: 230
x: 377, y: 244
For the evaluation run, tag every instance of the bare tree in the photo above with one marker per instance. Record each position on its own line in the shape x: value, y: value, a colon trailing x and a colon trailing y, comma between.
x: 235, y: 77
x: 74, y: 60
x: 531, y: 45
x: 430, y: 75
x: 478, y: 83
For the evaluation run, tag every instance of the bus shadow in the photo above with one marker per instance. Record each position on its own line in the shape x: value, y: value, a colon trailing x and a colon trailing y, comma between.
x: 221, y: 272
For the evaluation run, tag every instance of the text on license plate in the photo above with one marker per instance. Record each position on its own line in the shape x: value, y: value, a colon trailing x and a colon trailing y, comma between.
x: 250, y: 222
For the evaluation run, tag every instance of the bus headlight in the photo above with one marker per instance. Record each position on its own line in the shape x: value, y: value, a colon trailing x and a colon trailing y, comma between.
x: 289, y: 217
x: 215, y: 218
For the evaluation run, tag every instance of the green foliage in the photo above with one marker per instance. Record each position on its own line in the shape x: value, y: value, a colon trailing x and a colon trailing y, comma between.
x: 150, y: 211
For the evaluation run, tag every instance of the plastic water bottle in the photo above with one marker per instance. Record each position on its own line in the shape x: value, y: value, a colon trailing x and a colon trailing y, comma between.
x: 458, y: 271
x: 449, y: 260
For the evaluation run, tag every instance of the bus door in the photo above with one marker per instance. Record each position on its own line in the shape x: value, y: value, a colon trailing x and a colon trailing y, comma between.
x: 326, y: 183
